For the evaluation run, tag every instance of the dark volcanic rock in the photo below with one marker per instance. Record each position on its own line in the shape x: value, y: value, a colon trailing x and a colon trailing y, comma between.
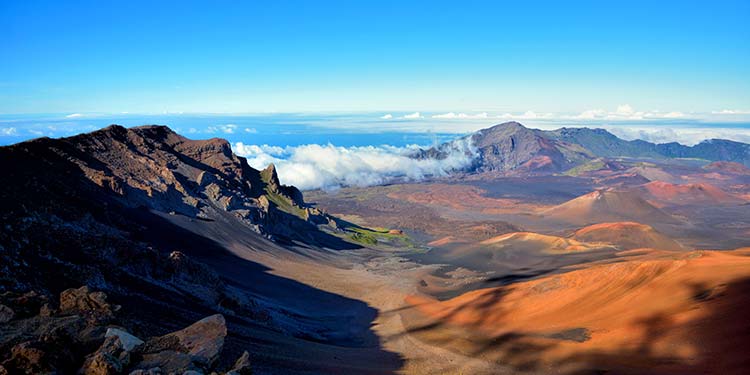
x: 241, y: 366
x: 133, y: 213
x: 196, y: 347
x: 83, y: 301
x: 111, y: 358
x: 510, y: 146
x: 64, y: 343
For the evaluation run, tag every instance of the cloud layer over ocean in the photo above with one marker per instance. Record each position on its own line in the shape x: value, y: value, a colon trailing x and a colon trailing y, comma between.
x: 329, y: 167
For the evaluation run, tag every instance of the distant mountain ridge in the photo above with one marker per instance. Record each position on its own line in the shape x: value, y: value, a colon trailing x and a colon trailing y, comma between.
x: 511, y: 146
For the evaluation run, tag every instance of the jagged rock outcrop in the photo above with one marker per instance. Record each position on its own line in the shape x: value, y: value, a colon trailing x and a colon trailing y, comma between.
x: 153, y: 167
x: 76, y: 210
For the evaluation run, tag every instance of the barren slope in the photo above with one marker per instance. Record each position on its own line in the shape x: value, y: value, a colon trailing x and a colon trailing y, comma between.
x: 658, y: 312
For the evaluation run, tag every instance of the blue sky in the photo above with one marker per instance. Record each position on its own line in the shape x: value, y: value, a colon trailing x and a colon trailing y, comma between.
x: 318, y: 56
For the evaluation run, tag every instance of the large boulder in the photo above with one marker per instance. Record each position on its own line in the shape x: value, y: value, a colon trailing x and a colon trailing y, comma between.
x: 195, y: 348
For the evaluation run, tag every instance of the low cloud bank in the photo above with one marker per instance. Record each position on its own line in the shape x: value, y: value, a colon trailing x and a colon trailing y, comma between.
x: 685, y: 136
x: 330, y: 167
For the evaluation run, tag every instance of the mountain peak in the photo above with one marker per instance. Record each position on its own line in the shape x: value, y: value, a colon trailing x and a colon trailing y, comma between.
x: 505, y: 126
x: 270, y: 176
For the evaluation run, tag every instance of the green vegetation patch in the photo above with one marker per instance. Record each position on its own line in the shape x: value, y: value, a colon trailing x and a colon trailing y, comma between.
x: 593, y: 165
x: 285, y: 204
x: 380, y: 236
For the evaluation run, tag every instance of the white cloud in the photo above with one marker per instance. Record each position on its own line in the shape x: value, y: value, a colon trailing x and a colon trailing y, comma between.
x: 731, y: 112
x: 330, y: 167
x: 8, y: 131
x: 254, y: 150
x: 686, y: 136
x: 673, y: 115
x: 528, y: 115
x: 414, y: 115
x: 451, y: 115
x: 251, y: 130
x: 623, y: 112
x: 226, y: 128
x: 591, y: 114
x: 74, y: 115
x: 386, y: 116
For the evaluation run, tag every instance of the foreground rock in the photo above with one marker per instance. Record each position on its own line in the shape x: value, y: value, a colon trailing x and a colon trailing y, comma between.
x: 78, y: 337
x: 196, y: 347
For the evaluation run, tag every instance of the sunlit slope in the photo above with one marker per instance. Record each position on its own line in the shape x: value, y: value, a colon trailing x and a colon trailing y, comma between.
x: 674, y: 312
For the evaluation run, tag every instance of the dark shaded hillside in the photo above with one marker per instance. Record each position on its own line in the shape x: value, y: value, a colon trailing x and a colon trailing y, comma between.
x: 148, y: 216
x: 603, y: 143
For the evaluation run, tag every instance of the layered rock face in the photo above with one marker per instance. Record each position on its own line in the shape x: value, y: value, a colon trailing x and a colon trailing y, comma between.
x: 153, y: 167
x: 89, y: 194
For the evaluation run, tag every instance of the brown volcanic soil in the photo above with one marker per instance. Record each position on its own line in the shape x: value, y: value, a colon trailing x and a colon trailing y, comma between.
x: 681, y: 194
x: 659, y: 312
x: 614, y: 339
x: 728, y: 167
x: 460, y: 197
x: 535, y: 242
x: 607, y: 206
x: 626, y: 235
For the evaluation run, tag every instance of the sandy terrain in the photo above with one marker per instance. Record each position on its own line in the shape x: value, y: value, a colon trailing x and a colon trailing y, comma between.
x: 561, y: 297
x: 676, y: 312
